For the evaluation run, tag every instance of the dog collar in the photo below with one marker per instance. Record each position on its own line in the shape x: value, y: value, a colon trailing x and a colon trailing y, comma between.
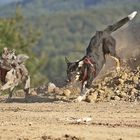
x: 88, y: 60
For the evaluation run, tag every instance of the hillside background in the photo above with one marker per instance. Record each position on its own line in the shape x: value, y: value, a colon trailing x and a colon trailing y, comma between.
x: 49, y: 30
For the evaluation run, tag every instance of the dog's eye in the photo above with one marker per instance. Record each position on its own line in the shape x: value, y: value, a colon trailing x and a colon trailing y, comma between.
x: 71, y: 70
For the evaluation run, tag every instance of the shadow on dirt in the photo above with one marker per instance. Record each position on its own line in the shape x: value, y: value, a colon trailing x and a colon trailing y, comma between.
x: 33, y: 99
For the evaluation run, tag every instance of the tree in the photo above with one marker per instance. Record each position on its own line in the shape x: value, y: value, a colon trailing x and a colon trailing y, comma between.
x: 17, y: 34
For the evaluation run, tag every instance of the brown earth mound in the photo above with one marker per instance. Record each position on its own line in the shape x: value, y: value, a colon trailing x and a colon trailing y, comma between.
x: 122, y: 86
x: 117, y: 86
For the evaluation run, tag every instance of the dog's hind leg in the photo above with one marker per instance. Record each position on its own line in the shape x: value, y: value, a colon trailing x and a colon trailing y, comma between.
x: 10, y: 94
x: 115, y: 57
x: 27, y: 87
x: 117, y: 60
x: 109, y: 48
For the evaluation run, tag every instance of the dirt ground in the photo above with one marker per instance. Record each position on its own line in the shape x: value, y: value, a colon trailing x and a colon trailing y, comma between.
x: 111, y: 111
x: 60, y: 120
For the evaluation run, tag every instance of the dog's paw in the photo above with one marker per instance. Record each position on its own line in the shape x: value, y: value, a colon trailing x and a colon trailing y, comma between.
x: 80, y: 98
x: 8, y: 100
x: 118, y: 69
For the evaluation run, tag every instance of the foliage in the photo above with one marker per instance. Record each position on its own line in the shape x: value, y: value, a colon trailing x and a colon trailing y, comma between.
x: 66, y: 27
x: 15, y: 35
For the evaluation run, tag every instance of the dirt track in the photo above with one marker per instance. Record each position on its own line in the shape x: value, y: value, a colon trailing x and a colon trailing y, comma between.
x: 50, y: 120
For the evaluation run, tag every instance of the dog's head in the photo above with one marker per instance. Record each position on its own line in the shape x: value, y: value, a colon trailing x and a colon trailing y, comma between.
x: 72, y: 70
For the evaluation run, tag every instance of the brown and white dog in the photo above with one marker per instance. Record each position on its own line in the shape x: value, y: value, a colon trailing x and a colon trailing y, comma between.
x: 101, y: 44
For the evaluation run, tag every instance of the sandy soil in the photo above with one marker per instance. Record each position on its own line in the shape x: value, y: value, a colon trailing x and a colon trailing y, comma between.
x: 58, y: 120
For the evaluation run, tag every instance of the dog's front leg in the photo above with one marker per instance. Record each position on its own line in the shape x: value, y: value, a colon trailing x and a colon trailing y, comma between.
x: 84, y: 92
x: 86, y: 84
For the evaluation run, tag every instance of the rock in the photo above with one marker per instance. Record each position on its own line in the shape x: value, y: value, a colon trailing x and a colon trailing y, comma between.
x: 121, y: 81
x: 124, y: 76
x: 33, y: 92
x: 101, y: 91
x: 92, y: 98
x: 51, y: 87
x: 134, y: 91
x: 20, y: 93
x: 30, y: 123
x: 117, y: 98
x: 92, y: 90
x: 82, y: 120
x: 109, y: 93
x: 74, y: 90
x: 123, y: 94
x: 67, y: 92
x: 136, y: 79
x: 59, y: 91
x: 117, y: 92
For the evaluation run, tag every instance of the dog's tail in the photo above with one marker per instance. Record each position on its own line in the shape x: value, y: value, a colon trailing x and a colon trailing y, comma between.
x: 120, y: 23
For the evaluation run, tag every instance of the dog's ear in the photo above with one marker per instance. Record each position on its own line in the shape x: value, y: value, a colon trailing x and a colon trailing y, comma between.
x: 66, y: 60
